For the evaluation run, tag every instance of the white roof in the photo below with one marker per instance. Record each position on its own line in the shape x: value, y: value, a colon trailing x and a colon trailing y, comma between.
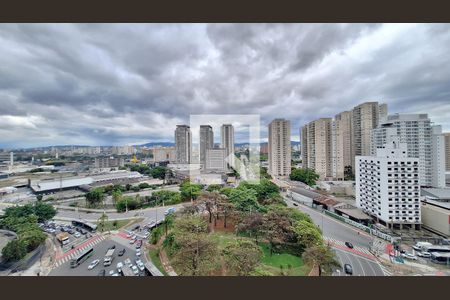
x: 58, y: 184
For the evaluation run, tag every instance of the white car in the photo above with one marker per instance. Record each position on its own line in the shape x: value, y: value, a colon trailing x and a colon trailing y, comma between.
x: 135, y: 270
x: 93, y: 264
x: 140, y: 266
x: 111, y: 273
x: 128, y: 262
x: 424, y: 254
x: 138, y: 252
x: 77, y: 234
x: 119, y: 266
x: 132, y: 241
x: 115, y: 274
x: 409, y: 256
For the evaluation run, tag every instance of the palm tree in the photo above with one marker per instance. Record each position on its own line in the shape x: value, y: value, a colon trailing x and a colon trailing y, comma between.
x: 102, y: 220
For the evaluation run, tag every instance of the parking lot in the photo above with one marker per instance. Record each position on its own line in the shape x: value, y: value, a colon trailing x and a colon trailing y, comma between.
x: 100, y: 250
x: 76, y: 235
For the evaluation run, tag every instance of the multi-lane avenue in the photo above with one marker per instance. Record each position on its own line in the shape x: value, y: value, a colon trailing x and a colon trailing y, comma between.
x: 336, y: 233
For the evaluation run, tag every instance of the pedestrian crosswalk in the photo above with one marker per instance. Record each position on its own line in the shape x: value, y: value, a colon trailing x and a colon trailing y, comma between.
x: 385, y: 270
x: 356, y: 249
x: 73, y: 253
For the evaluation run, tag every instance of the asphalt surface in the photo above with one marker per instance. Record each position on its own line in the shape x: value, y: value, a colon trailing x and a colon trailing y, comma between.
x: 150, y: 214
x: 361, y: 266
x: 99, y: 253
x: 331, y: 228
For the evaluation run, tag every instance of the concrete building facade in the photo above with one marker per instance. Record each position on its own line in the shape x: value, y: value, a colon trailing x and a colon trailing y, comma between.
x: 161, y: 154
x: 316, y: 139
x: 365, y: 117
x: 424, y: 141
x: 341, y: 144
x: 227, y: 143
x: 447, y: 151
x: 279, y: 147
x: 108, y: 162
x: 387, y: 185
x: 183, y: 144
x: 206, y: 142
x: 215, y: 159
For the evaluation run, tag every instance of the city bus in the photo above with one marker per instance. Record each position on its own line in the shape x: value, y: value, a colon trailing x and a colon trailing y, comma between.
x: 86, y: 225
x: 80, y: 258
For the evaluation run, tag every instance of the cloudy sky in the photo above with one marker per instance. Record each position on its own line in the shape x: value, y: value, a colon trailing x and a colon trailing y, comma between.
x: 132, y: 83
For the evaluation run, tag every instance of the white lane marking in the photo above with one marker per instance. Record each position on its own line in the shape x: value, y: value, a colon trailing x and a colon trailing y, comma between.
x: 351, y: 260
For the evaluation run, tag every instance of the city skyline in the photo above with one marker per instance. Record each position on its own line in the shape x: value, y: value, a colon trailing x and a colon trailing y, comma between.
x: 72, y: 84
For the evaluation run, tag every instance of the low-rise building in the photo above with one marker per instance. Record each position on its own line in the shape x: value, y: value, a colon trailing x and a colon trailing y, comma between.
x: 436, y: 210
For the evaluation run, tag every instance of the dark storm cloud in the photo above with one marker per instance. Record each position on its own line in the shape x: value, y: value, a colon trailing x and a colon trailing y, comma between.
x: 126, y: 83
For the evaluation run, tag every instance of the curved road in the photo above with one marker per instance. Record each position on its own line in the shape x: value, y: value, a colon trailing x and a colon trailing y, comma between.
x: 362, y: 262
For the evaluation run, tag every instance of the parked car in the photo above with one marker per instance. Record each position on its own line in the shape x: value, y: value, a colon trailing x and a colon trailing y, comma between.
x: 119, y: 267
x: 128, y: 262
x: 140, y: 265
x: 132, y: 241
x: 102, y: 272
x: 138, y: 252
x: 112, y: 272
x: 93, y: 264
x: 77, y: 234
x: 409, y: 256
x: 349, y: 245
x: 424, y: 254
x: 83, y: 231
x: 121, y: 252
x: 135, y: 270
x: 348, y: 269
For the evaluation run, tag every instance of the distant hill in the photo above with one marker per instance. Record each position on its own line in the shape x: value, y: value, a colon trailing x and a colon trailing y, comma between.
x: 154, y: 144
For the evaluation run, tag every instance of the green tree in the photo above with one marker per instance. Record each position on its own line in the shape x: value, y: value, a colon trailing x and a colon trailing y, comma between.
x: 102, y: 221
x: 226, y: 191
x: 244, y: 199
x: 307, y: 176
x: 252, y: 224
x: 348, y: 173
x: 95, y: 197
x: 242, y: 257
x: 158, y: 172
x: 321, y: 256
x: 166, y: 197
x: 214, y: 188
x: 197, y: 253
x: 116, y: 195
x: 32, y: 238
x: 190, y: 191
x: 44, y: 211
x: 14, y: 250
x: 308, y: 234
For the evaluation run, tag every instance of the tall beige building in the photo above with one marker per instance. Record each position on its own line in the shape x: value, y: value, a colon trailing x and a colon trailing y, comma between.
x: 183, y: 144
x: 366, y: 117
x: 280, y: 147
x: 316, y: 140
x: 447, y: 151
x: 227, y: 142
x: 161, y: 154
x: 341, y: 144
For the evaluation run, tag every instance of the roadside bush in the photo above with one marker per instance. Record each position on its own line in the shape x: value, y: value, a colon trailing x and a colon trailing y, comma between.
x: 14, y: 250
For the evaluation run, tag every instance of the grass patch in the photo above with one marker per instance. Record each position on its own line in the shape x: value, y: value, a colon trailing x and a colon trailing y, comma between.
x: 282, y: 263
x: 157, y: 261
x: 117, y: 224
x: 277, y: 264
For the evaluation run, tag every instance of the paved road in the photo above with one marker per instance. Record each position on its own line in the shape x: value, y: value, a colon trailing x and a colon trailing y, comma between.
x: 335, y: 229
x: 361, y: 266
x: 99, y: 253
x: 362, y: 262
x: 150, y: 214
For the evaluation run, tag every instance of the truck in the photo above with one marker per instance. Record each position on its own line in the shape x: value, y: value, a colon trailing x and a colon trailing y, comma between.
x: 419, y: 246
x: 126, y: 270
x: 109, y: 257
x: 63, y: 238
